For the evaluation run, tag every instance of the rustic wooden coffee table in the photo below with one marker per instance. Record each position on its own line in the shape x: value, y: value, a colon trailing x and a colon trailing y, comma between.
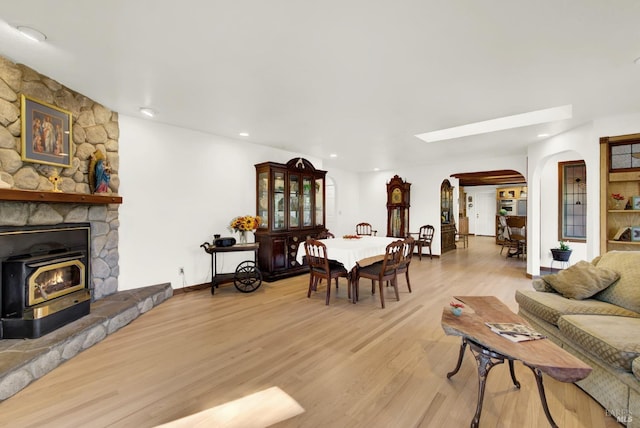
x: 490, y: 349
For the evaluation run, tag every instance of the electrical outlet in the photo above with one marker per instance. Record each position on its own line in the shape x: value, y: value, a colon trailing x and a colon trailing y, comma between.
x: 180, y: 271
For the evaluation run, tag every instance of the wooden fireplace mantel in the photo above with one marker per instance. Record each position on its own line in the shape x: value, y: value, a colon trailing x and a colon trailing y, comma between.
x: 57, y: 197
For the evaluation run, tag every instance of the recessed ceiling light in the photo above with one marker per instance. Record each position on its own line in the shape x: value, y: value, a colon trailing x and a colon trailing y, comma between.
x: 244, y: 134
x: 500, y: 124
x: 149, y: 112
x: 333, y: 155
x: 32, y: 33
x: 376, y: 169
x: 542, y: 135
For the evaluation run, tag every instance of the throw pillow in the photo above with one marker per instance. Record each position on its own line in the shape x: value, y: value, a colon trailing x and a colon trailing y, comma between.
x: 625, y: 292
x: 582, y: 280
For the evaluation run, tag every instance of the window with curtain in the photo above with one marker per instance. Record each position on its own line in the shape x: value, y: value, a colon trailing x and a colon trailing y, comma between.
x: 572, y: 177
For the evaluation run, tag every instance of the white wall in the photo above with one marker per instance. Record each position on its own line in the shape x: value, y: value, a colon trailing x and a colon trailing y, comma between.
x: 347, y: 201
x: 179, y: 188
x: 618, y: 125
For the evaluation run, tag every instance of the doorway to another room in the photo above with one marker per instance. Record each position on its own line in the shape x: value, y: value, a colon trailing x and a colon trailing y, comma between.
x: 481, y: 212
x: 486, y: 195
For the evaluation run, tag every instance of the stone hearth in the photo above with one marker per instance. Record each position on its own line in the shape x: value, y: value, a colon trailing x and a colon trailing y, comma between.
x: 24, y: 360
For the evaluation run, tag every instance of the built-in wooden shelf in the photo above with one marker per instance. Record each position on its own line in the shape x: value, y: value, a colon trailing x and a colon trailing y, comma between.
x: 57, y: 197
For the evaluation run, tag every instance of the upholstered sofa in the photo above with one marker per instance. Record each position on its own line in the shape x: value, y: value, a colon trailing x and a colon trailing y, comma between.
x: 593, y: 311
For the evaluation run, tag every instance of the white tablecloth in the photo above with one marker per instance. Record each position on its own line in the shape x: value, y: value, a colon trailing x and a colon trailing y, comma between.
x: 350, y: 251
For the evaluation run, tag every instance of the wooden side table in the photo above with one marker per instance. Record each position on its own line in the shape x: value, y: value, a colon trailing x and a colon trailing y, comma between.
x: 246, y: 278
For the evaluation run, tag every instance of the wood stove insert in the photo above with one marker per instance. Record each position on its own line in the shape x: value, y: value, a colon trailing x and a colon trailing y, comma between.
x: 45, y: 278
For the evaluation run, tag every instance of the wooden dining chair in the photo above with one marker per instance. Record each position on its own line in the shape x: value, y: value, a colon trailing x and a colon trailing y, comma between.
x: 384, y: 271
x: 365, y: 229
x: 517, y: 241
x: 320, y: 268
x: 503, y: 233
x: 405, y: 260
x: 462, y: 237
x: 425, y: 237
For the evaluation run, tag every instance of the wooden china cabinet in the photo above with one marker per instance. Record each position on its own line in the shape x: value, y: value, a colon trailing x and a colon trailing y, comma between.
x: 398, y: 204
x: 290, y: 200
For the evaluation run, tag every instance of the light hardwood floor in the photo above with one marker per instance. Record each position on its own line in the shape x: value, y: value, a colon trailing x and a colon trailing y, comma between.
x: 346, y: 365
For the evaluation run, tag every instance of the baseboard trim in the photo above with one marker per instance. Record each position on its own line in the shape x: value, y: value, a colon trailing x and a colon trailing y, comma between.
x: 190, y: 288
x: 549, y: 269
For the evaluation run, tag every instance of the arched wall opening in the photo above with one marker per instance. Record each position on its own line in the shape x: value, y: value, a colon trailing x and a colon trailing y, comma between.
x: 542, y: 210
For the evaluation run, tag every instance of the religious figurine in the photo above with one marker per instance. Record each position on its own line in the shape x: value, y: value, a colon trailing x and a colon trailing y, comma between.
x: 100, y: 173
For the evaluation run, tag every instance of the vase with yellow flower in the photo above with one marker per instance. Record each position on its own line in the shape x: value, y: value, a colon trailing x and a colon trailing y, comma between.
x: 243, y: 225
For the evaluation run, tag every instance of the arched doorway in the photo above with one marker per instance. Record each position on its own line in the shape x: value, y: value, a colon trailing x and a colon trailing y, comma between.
x: 447, y: 218
x: 480, y: 198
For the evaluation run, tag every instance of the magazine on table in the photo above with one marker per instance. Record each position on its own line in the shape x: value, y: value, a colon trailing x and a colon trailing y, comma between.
x: 514, y: 332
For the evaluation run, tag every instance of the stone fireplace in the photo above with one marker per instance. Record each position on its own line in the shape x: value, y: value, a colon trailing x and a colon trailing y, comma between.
x: 44, y: 278
x: 28, y: 199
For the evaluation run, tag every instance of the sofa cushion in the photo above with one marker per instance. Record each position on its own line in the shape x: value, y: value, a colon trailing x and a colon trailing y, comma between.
x: 581, y: 280
x: 551, y: 306
x: 612, y: 339
x: 626, y: 291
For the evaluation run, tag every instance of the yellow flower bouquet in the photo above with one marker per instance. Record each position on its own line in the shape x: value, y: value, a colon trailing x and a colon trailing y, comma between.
x: 244, y: 224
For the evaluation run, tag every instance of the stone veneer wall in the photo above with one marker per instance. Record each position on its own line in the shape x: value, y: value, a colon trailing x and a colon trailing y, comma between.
x: 94, y: 127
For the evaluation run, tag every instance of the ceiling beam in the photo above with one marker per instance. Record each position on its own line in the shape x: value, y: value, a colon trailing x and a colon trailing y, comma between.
x: 490, y: 178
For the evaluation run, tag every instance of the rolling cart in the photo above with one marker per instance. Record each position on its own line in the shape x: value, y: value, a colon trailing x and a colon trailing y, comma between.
x: 246, y: 278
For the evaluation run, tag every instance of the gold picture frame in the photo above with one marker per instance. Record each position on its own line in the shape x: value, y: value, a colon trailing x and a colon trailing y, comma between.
x: 46, y: 133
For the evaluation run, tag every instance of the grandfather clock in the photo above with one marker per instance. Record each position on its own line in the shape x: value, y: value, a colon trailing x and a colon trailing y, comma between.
x: 398, y: 207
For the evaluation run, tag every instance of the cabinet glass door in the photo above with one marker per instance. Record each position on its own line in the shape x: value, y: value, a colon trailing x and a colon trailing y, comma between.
x: 278, y: 200
x: 319, y: 202
x: 306, y: 201
x: 263, y: 198
x: 294, y: 194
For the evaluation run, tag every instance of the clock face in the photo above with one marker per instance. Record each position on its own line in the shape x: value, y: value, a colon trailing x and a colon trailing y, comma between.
x: 396, y: 196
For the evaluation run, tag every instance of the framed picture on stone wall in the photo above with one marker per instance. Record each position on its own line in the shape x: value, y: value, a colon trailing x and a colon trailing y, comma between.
x: 46, y: 133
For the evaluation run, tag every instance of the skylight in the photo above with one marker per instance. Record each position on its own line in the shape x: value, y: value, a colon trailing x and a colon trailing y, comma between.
x: 508, y: 122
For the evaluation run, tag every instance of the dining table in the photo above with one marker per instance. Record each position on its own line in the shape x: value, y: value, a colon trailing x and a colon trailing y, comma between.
x: 353, y: 253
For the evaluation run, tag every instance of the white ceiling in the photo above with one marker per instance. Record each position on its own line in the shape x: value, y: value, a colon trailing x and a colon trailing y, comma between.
x: 358, y: 78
